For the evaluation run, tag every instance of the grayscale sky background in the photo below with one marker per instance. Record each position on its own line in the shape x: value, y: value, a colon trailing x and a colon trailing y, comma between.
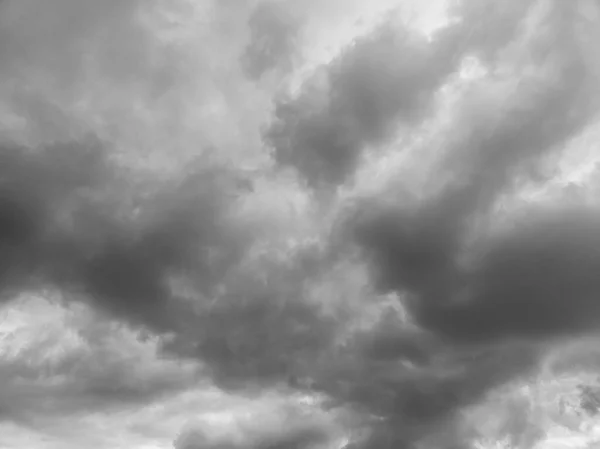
x: 277, y: 224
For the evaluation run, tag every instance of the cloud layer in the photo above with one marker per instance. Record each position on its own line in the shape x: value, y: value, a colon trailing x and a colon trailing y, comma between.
x: 197, y: 205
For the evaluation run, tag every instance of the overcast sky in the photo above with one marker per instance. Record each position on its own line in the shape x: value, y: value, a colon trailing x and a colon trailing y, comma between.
x: 277, y: 224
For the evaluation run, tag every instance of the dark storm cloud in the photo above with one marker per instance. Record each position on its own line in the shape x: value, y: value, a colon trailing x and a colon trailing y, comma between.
x: 65, y: 218
x: 51, y: 37
x: 68, y: 360
x: 294, y: 436
x: 381, y: 80
x: 265, y: 426
x: 72, y: 218
x: 400, y: 343
x: 488, y: 26
x: 31, y: 185
x: 527, y: 282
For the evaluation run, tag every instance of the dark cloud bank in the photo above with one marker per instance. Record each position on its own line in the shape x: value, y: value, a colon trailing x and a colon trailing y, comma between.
x: 532, y: 282
x: 70, y: 216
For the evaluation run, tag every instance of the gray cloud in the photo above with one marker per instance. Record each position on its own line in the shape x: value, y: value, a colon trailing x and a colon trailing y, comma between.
x: 273, y: 32
x: 381, y: 80
x: 259, y: 331
x: 77, y: 218
x: 269, y: 426
x: 489, y: 25
x: 32, y: 185
x: 62, y: 361
x: 298, y: 436
x: 74, y: 216
x: 38, y: 37
x: 106, y: 240
x: 71, y: 216
x: 420, y: 250
x: 410, y: 401
x: 61, y: 223
x: 537, y: 280
x: 472, y: 293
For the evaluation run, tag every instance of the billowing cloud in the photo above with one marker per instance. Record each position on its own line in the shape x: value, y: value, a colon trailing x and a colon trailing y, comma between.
x: 269, y: 424
x: 428, y: 249
x: 61, y: 223
x: 243, y: 207
x: 382, y: 79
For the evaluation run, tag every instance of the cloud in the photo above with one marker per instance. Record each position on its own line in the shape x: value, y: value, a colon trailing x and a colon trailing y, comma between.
x: 102, y: 217
x: 543, y: 410
x: 379, y: 81
x: 68, y: 228
x: 71, y: 376
x: 272, y: 34
x: 418, y: 381
x: 121, y: 242
x: 157, y: 422
x: 33, y: 186
x: 537, y: 281
x: 143, y: 178
x: 268, y: 423
x: 83, y: 351
x: 469, y: 287
x: 120, y: 187
x: 54, y: 34
x: 79, y: 217
x: 47, y: 77
x: 422, y: 250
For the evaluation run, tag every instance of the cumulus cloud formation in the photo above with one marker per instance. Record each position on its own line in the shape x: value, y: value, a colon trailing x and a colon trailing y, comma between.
x: 205, y: 219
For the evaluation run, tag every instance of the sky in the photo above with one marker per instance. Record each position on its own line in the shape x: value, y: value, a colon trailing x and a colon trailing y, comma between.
x: 273, y: 224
